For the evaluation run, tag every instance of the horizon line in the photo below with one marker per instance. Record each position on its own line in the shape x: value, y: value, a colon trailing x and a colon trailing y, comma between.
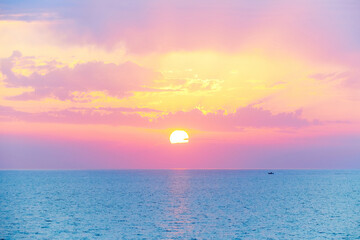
x: 174, y: 169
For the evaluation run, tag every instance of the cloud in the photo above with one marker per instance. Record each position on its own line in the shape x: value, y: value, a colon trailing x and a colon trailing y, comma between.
x: 117, y: 109
x: 349, y: 79
x: 246, y: 117
x: 323, y: 28
x: 107, y: 116
x: 142, y: 25
x: 116, y: 80
x: 243, y: 118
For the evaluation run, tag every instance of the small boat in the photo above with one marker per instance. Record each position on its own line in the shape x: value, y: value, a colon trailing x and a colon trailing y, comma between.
x: 270, y: 173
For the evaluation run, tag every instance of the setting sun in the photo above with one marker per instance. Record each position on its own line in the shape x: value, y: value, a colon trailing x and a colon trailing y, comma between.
x: 179, y: 136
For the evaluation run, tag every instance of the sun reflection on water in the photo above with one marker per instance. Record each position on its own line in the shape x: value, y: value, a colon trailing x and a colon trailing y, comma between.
x: 178, y: 212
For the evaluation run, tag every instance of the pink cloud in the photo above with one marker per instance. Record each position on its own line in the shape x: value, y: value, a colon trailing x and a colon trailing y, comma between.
x: 116, y: 80
x: 324, y: 28
x: 243, y: 117
x: 349, y: 79
x: 79, y: 116
x: 247, y: 117
x: 160, y: 25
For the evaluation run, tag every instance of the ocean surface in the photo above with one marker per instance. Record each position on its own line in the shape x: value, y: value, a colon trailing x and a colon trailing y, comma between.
x: 180, y: 204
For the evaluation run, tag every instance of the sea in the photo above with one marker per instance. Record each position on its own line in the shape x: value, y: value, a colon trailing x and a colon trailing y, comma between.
x: 180, y: 204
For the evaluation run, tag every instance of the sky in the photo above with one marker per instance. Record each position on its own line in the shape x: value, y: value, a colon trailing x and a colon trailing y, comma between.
x: 256, y: 84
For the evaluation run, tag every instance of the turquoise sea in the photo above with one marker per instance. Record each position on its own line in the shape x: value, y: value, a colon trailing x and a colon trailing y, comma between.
x: 180, y: 204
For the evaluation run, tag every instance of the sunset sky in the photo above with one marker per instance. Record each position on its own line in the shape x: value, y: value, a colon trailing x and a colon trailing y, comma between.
x: 255, y: 84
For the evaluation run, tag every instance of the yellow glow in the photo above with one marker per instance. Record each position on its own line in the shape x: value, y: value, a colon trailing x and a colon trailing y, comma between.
x: 179, y: 136
x: 214, y: 80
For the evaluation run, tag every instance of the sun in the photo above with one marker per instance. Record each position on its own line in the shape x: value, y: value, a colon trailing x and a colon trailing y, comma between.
x: 179, y: 136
